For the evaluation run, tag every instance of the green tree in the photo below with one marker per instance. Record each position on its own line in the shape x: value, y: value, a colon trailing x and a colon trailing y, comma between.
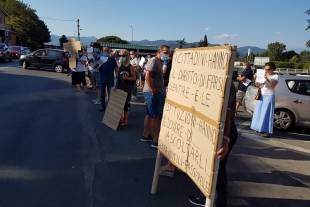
x: 294, y: 59
x: 275, y: 51
x: 181, y: 42
x: 308, y: 27
x: 287, y: 56
x: 237, y: 55
x: 112, y: 39
x: 62, y: 40
x: 263, y: 54
x: 25, y: 21
x: 304, y: 56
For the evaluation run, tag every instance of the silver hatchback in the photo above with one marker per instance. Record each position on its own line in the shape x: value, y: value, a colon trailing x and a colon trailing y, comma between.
x: 292, y: 101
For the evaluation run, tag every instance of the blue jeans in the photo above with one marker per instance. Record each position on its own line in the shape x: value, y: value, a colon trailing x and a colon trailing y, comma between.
x: 102, y: 87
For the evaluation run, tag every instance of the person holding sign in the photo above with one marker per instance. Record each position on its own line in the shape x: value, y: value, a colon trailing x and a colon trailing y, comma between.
x: 80, y: 71
x: 125, y: 82
x: 107, y: 67
x: 230, y: 137
x: 244, y: 80
x: 154, y: 84
x: 262, y: 120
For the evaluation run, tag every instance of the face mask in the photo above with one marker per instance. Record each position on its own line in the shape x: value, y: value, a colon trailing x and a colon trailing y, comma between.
x: 96, y: 50
x: 164, y: 57
x: 132, y: 56
x: 122, y: 59
x: 105, y: 54
x: 244, y: 67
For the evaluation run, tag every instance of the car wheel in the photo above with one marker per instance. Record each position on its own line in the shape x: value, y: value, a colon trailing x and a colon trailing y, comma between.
x: 59, y: 68
x: 283, y: 119
x: 10, y: 59
x: 25, y: 64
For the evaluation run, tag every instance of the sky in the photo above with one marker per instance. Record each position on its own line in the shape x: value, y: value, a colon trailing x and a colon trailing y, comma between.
x: 238, y: 22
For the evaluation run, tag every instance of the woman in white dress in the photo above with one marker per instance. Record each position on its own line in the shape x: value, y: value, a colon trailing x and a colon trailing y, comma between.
x: 262, y: 120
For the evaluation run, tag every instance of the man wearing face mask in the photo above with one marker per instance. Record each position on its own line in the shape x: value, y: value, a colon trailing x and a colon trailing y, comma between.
x: 107, y: 68
x: 246, y: 74
x: 80, y: 71
x: 97, y: 54
x: 154, y: 84
x: 135, y: 63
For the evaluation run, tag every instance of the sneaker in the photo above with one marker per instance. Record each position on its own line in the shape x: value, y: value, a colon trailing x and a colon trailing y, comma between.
x: 195, y: 200
x: 101, y: 110
x: 133, y: 97
x: 163, y: 171
x: 154, y: 145
x: 147, y: 139
x: 97, y: 102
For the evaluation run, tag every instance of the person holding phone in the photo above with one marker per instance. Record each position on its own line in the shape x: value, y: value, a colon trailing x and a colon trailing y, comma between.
x: 262, y: 121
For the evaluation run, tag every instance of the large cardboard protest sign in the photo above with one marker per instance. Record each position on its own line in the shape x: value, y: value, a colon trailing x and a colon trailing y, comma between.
x: 193, y: 114
x: 72, y: 47
x: 115, y: 108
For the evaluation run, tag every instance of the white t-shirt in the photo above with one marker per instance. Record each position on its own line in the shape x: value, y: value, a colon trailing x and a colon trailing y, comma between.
x: 79, y: 66
x: 267, y: 90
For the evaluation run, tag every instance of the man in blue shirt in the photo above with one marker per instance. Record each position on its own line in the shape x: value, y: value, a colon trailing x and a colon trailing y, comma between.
x: 246, y: 74
x: 107, y: 69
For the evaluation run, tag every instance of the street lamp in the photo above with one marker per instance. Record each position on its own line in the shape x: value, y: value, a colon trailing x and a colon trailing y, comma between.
x: 131, y: 34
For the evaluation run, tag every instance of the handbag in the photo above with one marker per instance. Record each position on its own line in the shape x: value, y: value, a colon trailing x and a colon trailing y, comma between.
x: 259, y: 92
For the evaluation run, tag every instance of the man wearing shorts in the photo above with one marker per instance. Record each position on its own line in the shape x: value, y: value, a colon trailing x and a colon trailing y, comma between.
x: 246, y: 74
x: 154, y: 84
x: 97, y: 54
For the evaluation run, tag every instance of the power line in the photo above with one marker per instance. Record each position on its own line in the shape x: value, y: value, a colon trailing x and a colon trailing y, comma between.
x: 66, y: 20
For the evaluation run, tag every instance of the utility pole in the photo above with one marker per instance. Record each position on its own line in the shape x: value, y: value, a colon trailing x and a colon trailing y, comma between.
x: 78, y: 26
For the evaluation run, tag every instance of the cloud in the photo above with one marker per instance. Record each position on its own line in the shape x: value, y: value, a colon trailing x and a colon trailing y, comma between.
x: 278, y: 33
x: 226, y: 36
x: 206, y: 28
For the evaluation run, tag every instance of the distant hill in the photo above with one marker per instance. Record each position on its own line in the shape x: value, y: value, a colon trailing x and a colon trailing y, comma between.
x: 244, y: 50
x: 84, y: 40
x: 173, y: 43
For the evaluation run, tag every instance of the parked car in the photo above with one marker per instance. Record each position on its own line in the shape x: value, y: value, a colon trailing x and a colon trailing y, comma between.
x: 17, y: 51
x: 27, y: 51
x: 5, y: 53
x: 46, y: 58
x: 292, y: 101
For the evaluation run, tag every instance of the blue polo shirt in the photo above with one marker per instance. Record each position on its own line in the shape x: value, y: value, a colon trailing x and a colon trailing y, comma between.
x: 106, y: 71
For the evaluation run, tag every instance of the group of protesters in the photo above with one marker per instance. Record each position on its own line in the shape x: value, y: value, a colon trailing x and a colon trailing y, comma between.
x: 121, y: 70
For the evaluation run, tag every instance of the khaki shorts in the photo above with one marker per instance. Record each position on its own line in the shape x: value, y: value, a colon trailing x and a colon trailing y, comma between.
x: 239, y: 96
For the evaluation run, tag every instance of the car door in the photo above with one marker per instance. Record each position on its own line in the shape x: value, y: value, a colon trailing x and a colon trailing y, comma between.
x: 51, y: 58
x: 300, y: 100
x: 37, y: 59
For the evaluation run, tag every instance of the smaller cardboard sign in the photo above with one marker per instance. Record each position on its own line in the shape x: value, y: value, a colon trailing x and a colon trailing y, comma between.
x: 115, y: 108
x: 72, y: 47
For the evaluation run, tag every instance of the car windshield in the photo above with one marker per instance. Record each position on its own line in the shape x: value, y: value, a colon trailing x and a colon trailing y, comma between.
x: 15, y: 48
x: 26, y: 48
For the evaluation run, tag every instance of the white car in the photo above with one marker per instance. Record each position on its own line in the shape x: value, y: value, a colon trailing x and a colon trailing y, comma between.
x: 292, y: 101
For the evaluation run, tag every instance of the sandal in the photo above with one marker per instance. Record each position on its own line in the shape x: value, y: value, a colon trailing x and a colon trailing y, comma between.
x: 124, y: 123
x: 265, y: 135
x: 164, y: 171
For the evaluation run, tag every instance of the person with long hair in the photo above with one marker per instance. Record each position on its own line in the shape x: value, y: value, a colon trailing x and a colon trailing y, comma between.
x: 126, y: 81
x: 262, y: 120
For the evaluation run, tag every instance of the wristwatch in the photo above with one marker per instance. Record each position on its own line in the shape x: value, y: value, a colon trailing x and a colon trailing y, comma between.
x: 227, y: 138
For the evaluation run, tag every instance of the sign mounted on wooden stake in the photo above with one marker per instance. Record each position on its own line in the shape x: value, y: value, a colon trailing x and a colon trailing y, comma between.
x: 194, y: 113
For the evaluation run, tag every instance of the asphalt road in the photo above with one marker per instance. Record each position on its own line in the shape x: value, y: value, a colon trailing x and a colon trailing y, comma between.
x: 54, y: 151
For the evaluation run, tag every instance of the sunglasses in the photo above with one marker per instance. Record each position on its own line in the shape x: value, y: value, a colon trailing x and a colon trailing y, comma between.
x: 122, y: 55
